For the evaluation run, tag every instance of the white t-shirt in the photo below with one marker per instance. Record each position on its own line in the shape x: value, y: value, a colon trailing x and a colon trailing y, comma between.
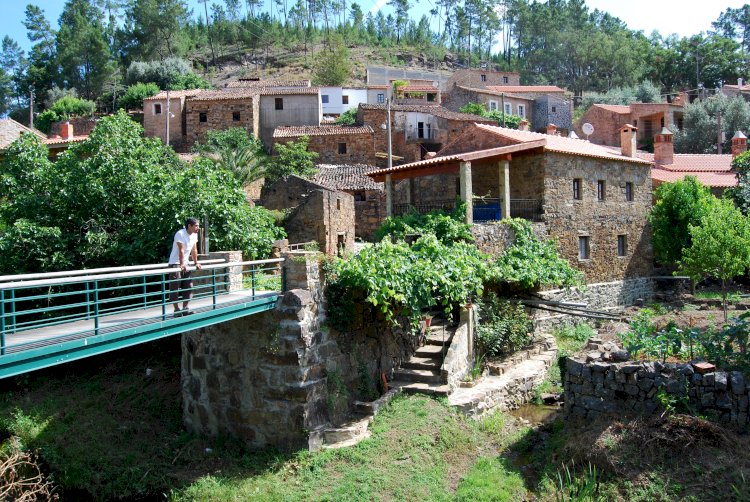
x: 188, y: 241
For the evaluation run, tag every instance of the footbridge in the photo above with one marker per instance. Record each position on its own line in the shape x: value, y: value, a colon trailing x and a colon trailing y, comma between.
x: 52, y: 318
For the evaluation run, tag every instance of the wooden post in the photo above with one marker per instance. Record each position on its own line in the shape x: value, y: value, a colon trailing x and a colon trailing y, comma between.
x: 466, y: 192
x: 504, y: 193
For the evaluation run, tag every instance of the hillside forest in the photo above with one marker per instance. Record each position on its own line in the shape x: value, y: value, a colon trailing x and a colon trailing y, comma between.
x: 99, y: 47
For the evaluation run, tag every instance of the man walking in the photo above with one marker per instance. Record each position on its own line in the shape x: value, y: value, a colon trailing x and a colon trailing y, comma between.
x: 183, y: 248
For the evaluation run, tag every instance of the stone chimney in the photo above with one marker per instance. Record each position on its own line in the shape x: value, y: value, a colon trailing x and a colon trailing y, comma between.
x: 663, y: 148
x: 552, y: 129
x: 430, y: 155
x: 682, y: 99
x: 66, y: 130
x: 572, y: 134
x: 628, y: 140
x: 739, y: 143
x: 523, y: 125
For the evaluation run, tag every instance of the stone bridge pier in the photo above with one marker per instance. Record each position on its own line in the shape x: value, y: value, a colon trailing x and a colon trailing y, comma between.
x: 262, y: 378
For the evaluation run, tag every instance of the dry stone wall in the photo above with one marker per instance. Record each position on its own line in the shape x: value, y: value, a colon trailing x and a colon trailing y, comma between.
x: 594, y: 387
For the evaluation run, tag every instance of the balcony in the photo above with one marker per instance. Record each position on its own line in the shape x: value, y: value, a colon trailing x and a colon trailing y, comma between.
x: 487, y: 210
x: 423, y: 135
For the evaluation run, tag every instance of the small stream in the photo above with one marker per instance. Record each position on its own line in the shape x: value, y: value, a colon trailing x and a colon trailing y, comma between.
x: 537, y: 414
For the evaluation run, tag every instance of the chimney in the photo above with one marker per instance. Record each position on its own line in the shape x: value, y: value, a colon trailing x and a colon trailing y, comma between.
x: 552, y: 129
x: 523, y: 125
x: 739, y: 144
x: 66, y: 130
x: 572, y: 134
x: 663, y: 148
x: 627, y: 140
x: 430, y: 155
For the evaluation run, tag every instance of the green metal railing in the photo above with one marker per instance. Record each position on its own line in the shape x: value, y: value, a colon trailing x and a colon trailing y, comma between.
x: 50, y: 318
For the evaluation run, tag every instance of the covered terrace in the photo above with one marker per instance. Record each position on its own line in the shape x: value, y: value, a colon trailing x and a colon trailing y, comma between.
x: 483, y: 182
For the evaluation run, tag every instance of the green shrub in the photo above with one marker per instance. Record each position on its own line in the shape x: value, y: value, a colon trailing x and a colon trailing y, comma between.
x: 447, y: 227
x: 349, y: 117
x: 503, y: 326
x: 63, y: 109
x: 135, y: 94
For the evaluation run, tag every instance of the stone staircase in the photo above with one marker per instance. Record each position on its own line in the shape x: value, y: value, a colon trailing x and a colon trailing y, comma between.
x: 422, y: 373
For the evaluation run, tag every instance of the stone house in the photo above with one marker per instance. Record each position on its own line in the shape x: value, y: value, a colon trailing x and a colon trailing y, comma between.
x: 257, y: 83
x: 369, y: 196
x: 415, y: 129
x: 218, y: 110
x: 740, y: 89
x: 288, y: 107
x: 10, y: 130
x: 417, y: 94
x: 591, y: 199
x: 333, y: 144
x: 648, y: 118
x: 477, y: 78
x: 541, y: 105
x: 337, y: 100
x: 59, y: 143
x: 377, y: 94
x: 314, y: 213
x: 155, y: 111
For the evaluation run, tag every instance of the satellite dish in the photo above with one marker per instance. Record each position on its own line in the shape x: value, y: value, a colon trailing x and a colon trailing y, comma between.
x: 588, y: 129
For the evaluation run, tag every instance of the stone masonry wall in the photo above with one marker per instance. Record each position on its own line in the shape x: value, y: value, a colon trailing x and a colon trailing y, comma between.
x: 369, y: 214
x: 360, y: 148
x: 219, y: 116
x: 596, y: 388
x: 460, y: 355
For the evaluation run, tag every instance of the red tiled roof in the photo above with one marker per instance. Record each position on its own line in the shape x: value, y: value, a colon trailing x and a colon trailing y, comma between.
x: 175, y: 94
x: 435, y: 110
x: 693, y: 162
x: 622, y: 109
x: 224, y: 94
x: 710, y: 179
x: 59, y: 141
x: 486, y: 90
x: 323, y: 130
x: 525, y: 88
x: 418, y: 88
x: 346, y: 177
x: 560, y: 144
x: 298, y: 90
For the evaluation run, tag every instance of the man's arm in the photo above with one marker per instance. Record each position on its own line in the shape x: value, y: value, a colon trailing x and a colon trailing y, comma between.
x: 194, y: 255
x: 181, y: 254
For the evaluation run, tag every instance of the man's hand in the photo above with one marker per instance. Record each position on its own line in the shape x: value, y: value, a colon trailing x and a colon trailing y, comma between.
x: 198, y: 266
x: 183, y: 267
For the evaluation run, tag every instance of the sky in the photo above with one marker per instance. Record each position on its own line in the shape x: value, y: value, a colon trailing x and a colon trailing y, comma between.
x: 666, y: 16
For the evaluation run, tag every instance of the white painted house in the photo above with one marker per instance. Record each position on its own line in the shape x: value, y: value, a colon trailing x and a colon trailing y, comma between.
x: 337, y: 100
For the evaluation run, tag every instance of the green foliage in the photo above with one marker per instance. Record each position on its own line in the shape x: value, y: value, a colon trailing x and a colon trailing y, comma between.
x: 447, y: 227
x: 678, y: 205
x: 473, y: 109
x: 741, y: 193
x: 491, y: 480
x: 332, y: 66
x: 349, y: 117
x: 645, y: 92
x: 530, y: 262
x: 291, y: 158
x: 171, y: 73
x: 506, y: 120
x: 700, y: 120
x: 503, y: 328
x: 401, y: 280
x: 236, y: 151
x: 135, y: 94
x: 572, y: 487
x: 720, y: 246
x: 63, y: 109
x: 118, y: 198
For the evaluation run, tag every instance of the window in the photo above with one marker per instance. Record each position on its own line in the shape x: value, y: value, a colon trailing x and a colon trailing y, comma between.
x: 522, y: 111
x: 622, y: 245
x: 157, y: 108
x: 483, y: 78
x: 202, y: 117
x: 344, y: 100
x: 577, y: 195
x: 493, y: 106
x: 600, y: 189
x: 508, y: 109
x: 338, y: 204
x: 236, y: 116
x: 342, y: 148
x: 629, y: 192
x: 554, y: 109
x: 381, y: 98
x: 505, y: 80
x: 324, y: 98
x: 420, y: 130
x: 583, y: 247
x: 279, y: 103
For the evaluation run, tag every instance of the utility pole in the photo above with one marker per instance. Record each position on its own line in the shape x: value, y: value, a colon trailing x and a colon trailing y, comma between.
x: 31, y: 105
x: 388, y: 131
x: 167, y: 117
x: 502, y: 105
x: 718, y: 132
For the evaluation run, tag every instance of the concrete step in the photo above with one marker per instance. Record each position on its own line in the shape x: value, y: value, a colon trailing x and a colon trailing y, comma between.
x: 439, y: 338
x: 430, y: 351
x: 425, y: 388
x: 347, y: 434
x: 425, y: 376
x: 423, y: 363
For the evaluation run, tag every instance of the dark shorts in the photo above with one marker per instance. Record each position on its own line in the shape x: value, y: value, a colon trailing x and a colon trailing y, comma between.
x: 180, y: 282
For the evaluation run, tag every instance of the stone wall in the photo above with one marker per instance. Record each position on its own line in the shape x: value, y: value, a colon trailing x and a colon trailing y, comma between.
x: 471, y: 77
x: 552, y: 110
x: 219, y: 116
x: 360, y: 148
x: 298, y: 109
x: 81, y: 126
x: 596, y: 388
x: 606, y: 124
x: 369, y: 214
x: 459, y: 357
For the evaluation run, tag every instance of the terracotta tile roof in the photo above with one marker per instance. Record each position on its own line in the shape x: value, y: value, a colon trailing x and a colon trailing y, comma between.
x: 525, y: 88
x: 622, y: 109
x: 298, y: 90
x: 436, y: 110
x: 486, y: 90
x: 560, y: 144
x: 694, y: 163
x: 323, y: 130
x: 161, y: 95
x: 710, y: 179
x: 224, y: 94
x: 268, y: 83
x: 418, y: 88
x: 378, y: 86
x: 10, y: 130
x: 59, y: 141
x: 347, y: 177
